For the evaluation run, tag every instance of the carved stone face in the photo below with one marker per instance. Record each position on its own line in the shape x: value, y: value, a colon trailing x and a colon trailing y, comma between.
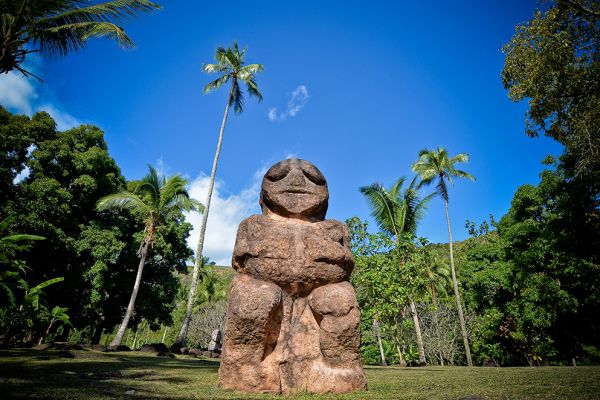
x: 295, y: 188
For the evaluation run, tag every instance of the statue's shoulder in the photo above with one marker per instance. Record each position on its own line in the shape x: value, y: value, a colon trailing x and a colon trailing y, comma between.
x: 256, y: 219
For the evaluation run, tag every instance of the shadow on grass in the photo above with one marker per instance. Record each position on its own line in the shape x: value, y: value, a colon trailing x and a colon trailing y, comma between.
x: 27, y: 373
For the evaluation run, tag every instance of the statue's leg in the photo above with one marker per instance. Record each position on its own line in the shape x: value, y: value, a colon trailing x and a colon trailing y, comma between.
x: 251, y: 331
x: 336, y: 310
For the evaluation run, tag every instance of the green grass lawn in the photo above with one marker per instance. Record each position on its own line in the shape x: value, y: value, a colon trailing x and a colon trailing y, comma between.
x: 83, y: 374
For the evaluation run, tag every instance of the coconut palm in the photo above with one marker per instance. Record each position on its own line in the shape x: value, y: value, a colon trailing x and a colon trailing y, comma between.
x: 57, y: 27
x: 397, y: 212
x: 157, y: 200
x: 435, y: 166
x: 231, y: 67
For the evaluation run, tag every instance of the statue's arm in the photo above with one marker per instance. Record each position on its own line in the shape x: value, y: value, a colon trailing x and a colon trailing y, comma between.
x: 246, y: 241
x: 241, y: 248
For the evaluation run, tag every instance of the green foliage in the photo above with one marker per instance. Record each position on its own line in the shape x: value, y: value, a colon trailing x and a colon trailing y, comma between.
x: 534, y: 281
x: 396, y: 211
x: 30, y: 315
x: 94, y: 252
x: 388, y: 275
x: 553, y: 61
x: 58, y: 27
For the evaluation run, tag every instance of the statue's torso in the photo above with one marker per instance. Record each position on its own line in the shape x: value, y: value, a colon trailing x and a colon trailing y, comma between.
x: 289, y: 252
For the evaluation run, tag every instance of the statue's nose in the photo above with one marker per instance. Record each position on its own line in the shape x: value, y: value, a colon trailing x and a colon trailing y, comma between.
x: 296, y: 177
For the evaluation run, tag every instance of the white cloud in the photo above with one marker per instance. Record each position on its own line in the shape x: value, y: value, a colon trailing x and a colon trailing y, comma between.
x: 17, y: 92
x: 21, y: 95
x: 63, y: 119
x: 226, y: 213
x: 298, y: 100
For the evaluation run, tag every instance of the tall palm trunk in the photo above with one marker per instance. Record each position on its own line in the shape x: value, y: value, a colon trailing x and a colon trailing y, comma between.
x: 463, y: 325
x: 194, y: 287
x: 377, y: 330
x: 164, y: 334
x: 436, y: 321
x: 136, y: 288
x: 415, y: 316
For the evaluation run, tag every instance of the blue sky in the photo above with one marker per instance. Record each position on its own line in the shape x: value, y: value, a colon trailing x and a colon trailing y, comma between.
x: 358, y: 90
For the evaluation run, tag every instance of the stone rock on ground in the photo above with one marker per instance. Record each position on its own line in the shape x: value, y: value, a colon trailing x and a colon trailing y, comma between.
x: 121, y: 347
x: 154, y: 348
x: 195, y: 352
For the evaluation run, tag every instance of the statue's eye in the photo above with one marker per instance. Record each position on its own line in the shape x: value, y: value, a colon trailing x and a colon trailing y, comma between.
x: 277, y: 173
x: 314, y: 175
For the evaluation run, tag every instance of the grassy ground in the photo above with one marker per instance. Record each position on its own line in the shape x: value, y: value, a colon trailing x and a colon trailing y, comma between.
x: 83, y: 374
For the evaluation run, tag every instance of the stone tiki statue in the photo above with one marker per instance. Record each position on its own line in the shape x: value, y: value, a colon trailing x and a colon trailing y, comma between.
x: 292, y: 316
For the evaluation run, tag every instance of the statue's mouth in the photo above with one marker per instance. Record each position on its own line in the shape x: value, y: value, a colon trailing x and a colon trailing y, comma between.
x: 298, y: 191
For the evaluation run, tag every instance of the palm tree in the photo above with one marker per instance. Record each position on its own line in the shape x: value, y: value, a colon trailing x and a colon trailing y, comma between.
x: 397, y: 213
x: 436, y: 166
x: 232, y: 68
x: 156, y: 200
x: 57, y: 27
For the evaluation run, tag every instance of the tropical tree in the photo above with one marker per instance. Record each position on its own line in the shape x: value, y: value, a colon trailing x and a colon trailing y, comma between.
x: 552, y: 63
x: 436, y: 166
x: 397, y: 212
x: 11, y: 268
x: 232, y: 68
x: 58, y: 314
x: 57, y: 27
x: 156, y: 200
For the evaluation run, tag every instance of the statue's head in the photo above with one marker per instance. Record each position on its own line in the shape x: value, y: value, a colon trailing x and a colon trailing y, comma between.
x: 295, y: 188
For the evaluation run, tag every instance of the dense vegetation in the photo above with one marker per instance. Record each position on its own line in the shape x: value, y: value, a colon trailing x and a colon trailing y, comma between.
x: 50, y: 184
x: 529, y: 282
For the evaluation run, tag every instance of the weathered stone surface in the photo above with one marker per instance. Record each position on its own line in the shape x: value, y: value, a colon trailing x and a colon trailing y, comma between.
x: 292, y: 316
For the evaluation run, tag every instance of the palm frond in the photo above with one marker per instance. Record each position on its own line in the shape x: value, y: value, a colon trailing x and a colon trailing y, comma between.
x: 76, y: 34
x: 45, y: 284
x: 149, y: 186
x: 459, y: 158
x: 442, y: 189
x: 21, y: 237
x: 461, y: 174
x: 252, y: 69
x: 213, y: 68
x: 217, y: 83
x: 382, y: 208
x: 220, y: 55
x: 230, y: 62
x: 435, y: 165
x: 123, y: 200
x: 116, y: 10
x: 171, y: 187
x: 396, y: 188
x: 253, y: 89
x: 197, y: 206
x: 237, y: 100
